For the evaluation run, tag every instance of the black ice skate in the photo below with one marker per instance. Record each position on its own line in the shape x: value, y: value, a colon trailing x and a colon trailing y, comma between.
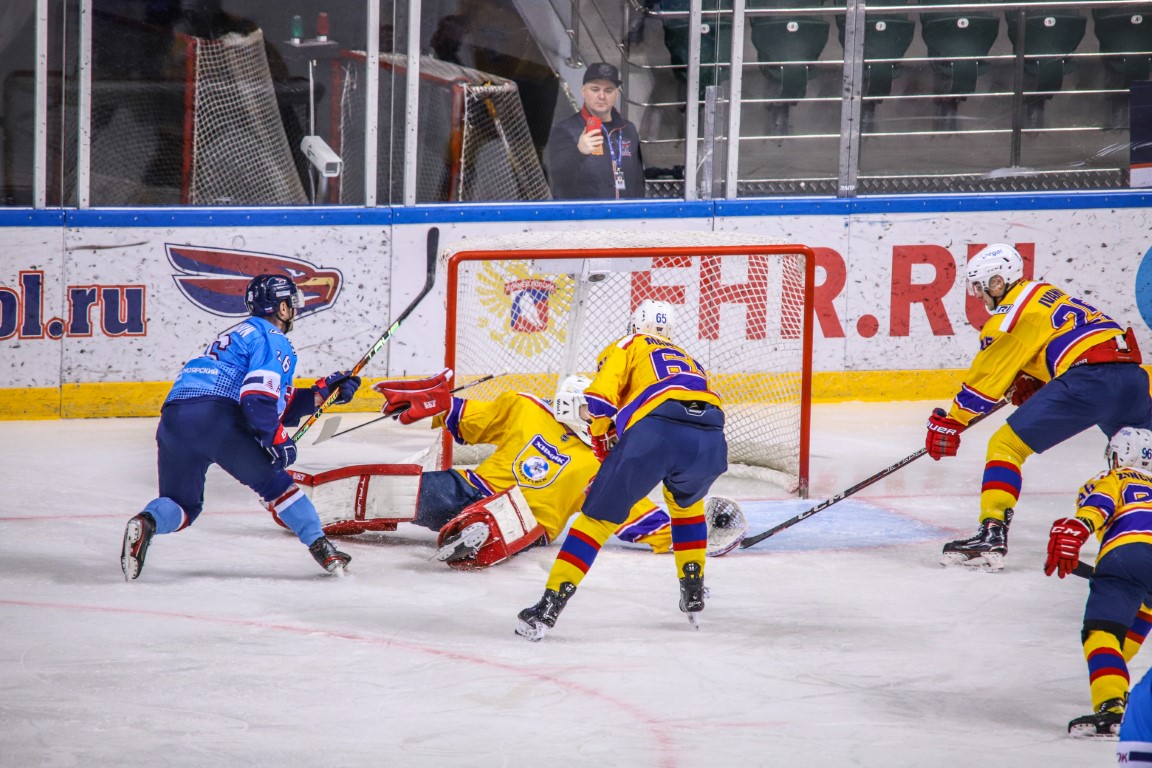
x: 984, y: 550
x: 692, y: 592
x: 533, y: 623
x: 137, y: 536
x: 330, y: 558
x: 1104, y: 723
x: 463, y: 544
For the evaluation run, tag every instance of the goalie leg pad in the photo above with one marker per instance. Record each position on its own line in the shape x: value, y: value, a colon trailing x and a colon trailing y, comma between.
x: 511, y: 528
x: 358, y: 498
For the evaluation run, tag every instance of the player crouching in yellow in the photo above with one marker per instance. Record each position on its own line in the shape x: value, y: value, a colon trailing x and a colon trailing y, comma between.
x: 671, y: 431
x: 1116, y: 505
x: 526, y: 491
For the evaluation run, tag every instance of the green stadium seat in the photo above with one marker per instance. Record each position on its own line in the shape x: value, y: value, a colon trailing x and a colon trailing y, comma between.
x: 1129, y: 34
x: 1126, y: 41
x: 1052, y: 33
x: 886, y: 36
x: 715, y: 44
x: 1046, y: 33
x: 788, y: 38
x: 951, y: 35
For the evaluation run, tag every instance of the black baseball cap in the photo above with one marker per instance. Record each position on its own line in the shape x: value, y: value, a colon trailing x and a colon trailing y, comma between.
x: 602, y: 71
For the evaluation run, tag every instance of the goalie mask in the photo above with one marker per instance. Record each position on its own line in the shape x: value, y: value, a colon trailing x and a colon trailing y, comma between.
x: 567, y: 403
x: 654, y: 318
x: 996, y: 260
x: 1130, y: 447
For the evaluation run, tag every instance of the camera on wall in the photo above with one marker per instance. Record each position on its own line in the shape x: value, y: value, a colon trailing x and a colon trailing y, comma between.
x: 323, y: 159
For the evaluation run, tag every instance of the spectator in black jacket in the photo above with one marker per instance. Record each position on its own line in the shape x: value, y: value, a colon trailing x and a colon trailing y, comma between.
x: 595, y: 154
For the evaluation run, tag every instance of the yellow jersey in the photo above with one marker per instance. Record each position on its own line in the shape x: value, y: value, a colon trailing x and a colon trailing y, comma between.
x: 1039, y: 330
x: 636, y: 374
x: 1118, y: 504
x: 552, y: 466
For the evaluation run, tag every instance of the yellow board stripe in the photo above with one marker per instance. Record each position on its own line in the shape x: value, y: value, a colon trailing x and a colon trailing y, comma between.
x: 143, y: 399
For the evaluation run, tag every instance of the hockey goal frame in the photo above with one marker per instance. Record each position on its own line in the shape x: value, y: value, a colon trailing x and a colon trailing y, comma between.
x: 454, y: 259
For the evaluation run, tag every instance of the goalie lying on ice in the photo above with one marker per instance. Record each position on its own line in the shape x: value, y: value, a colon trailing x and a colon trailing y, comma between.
x: 532, y: 484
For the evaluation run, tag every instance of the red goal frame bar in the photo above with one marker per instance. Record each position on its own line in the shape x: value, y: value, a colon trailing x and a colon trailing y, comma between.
x: 806, y: 312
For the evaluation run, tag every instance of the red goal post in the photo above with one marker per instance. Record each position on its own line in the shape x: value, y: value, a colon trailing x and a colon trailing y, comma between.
x: 534, y: 307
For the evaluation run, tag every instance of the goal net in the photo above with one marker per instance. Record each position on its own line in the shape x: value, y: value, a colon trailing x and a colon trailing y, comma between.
x: 530, y: 309
x: 474, y: 143
x: 213, y: 132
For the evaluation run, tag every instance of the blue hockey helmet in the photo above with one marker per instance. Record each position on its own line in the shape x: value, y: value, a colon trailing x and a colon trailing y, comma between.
x: 265, y: 293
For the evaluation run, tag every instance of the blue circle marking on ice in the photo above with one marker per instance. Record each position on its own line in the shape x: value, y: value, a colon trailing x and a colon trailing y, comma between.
x: 1144, y: 288
x: 849, y: 524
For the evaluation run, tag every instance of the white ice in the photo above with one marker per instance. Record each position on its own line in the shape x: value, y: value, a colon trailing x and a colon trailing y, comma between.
x: 840, y: 642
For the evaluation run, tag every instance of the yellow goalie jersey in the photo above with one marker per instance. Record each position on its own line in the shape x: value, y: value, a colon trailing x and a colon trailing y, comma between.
x: 1118, y: 504
x: 552, y: 466
x: 636, y: 374
x: 1039, y: 330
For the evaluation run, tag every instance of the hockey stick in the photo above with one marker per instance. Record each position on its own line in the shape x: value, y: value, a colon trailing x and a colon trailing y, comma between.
x: 1083, y: 570
x: 429, y: 281
x: 753, y: 540
x: 327, y: 433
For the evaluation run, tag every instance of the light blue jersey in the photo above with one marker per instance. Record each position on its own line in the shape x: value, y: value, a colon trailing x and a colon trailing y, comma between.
x: 1135, y: 746
x: 252, y: 364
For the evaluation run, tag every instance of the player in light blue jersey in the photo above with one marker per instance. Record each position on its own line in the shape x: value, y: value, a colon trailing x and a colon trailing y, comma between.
x: 229, y: 407
x: 1135, y: 747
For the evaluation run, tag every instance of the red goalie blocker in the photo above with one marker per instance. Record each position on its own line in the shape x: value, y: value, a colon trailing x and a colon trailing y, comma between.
x: 362, y: 497
x: 511, y: 528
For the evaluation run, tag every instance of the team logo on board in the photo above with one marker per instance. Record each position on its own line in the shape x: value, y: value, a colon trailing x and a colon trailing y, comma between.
x: 538, y: 465
x: 215, y: 279
x: 520, y: 310
x: 1144, y: 288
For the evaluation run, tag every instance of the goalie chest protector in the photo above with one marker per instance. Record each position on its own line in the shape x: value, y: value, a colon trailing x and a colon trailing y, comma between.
x: 361, y: 497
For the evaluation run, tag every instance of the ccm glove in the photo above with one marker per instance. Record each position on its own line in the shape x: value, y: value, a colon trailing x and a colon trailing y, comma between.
x: 410, y: 401
x: 1068, y: 534
x: 943, y: 435
x: 1023, y: 388
x: 343, y: 381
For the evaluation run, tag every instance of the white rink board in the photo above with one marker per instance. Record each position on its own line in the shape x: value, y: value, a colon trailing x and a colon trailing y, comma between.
x: 122, y: 316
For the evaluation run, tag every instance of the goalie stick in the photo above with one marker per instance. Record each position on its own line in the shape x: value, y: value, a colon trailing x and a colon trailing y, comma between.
x: 429, y: 281
x: 753, y: 540
x: 328, y: 432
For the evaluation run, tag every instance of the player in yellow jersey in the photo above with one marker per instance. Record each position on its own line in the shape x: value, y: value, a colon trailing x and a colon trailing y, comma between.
x: 540, y: 450
x: 1116, y: 505
x: 1067, y: 365
x: 656, y: 398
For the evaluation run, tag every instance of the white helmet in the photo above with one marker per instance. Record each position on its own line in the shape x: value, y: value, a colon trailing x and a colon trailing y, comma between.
x: 996, y: 259
x: 1130, y: 447
x: 566, y: 405
x: 653, y: 317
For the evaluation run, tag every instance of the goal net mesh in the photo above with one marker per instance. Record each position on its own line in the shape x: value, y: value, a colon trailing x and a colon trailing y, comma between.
x: 533, y: 308
x: 474, y: 143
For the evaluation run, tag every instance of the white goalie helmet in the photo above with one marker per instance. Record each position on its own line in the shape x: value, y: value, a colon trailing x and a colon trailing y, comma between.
x: 994, y: 260
x: 1130, y: 447
x: 567, y: 403
x: 656, y: 318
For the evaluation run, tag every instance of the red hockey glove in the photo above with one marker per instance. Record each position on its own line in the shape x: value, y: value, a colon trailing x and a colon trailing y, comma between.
x: 1023, y: 388
x: 1068, y: 534
x: 344, y: 381
x: 943, y: 435
x: 604, y: 443
x: 410, y: 403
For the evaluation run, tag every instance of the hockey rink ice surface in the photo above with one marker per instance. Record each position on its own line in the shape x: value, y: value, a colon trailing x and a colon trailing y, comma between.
x: 839, y: 642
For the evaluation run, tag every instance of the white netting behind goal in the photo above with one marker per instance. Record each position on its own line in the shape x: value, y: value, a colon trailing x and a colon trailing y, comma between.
x: 535, y: 307
x: 474, y: 142
x: 240, y: 153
